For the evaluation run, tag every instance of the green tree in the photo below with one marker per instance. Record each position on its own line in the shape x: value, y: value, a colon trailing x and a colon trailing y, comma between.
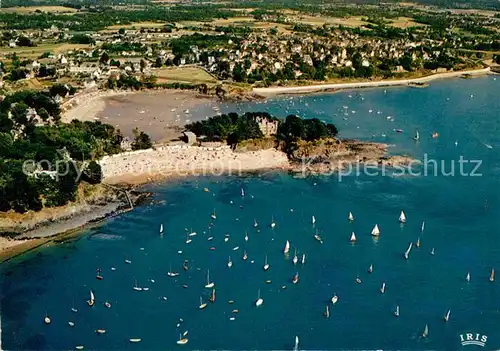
x: 104, y: 58
x: 141, y: 140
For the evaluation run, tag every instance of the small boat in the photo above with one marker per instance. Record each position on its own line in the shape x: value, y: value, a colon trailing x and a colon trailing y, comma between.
x: 246, y: 236
x: 417, y: 136
x: 432, y: 251
x: 286, y: 250
x: 353, y: 238
x: 396, y: 312
x: 303, y: 258
x: 334, y: 299
x: 259, y: 300
x: 435, y: 135
x: 266, y: 265
x: 407, y: 252
x: 350, y: 217
x: 422, y: 227
x: 296, y: 346
x: 191, y: 233
x: 74, y: 310
x: 213, y: 216
x: 402, y: 217
x: 107, y: 304
x: 128, y: 261
x: 295, y: 258
x: 426, y: 332
x: 313, y: 220
x: 327, y: 312
x: 467, y: 277
x: 47, y: 319
x: 358, y: 280
x: 172, y: 274
x: 182, y: 341
x: 146, y: 289
x: 209, y: 284
x: 447, y: 316
x: 230, y: 263
x: 295, y: 279
x: 100, y: 331
x: 188, y: 239
x: 370, y: 269
x: 492, y: 275
x: 417, y: 244
x: 382, y: 288
x: 99, y: 276
x: 242, y: 192
x: 161, y: 228
x: 185, y: 265
x: 79, y: 347
x: 255, y: 224
x: 71, y: 324
x: 136, y: 288
x: 91, y: 301
x: 273, y: 224
x: 245, y: 256
x: 375, y: 231
x: 397, y: 130
x: 202, y: 304
x: 317, y: 237
x: 134, y: 340
x: 212, y: 298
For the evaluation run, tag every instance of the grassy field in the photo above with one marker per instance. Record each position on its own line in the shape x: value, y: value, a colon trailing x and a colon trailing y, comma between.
x: 58, y: 9
x: 320, y: 20
x: 137, y: 25
x: 184, y: 75
x: 405, y: 22
x: 34, y: 52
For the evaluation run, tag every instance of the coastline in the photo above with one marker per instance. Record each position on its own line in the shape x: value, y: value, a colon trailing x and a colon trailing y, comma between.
x: 271, y: 91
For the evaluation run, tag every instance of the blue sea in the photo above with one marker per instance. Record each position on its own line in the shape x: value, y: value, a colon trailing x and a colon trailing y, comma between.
x: 462, y: 221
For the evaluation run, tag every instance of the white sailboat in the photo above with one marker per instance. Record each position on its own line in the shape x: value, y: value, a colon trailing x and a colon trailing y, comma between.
x: 426, y: 332
x: 273, y: 224
x: 303, y: 258
x: 213, y: 216
x: 255, y: 224
x: 317, y: 237
x: 182, y: 341
x: 202, y: 304
x: 375, y: 230
x: 350, y: 217
x: 136, y: 288
x: 382, y: 289
x: 407, y: 252
x: 296, y: 347
x: 370, y: 269
x: 286, y: 250
x: 402, y: 217
x: 230, y: 263
x: 47, y: 319
x: 327, y: 312
x: 447, y: 316
x: 353, y: 238
x: 91, y: 301
x: 161, y: 228
x: 432, y: 251
x: 467, y: 277
x: 135, y: 340
x: 313, y: 220
x: 172, y: 274
x: 423, y: 226
x: 245, y: 256
x: 209, y: 284
x: 242, y: 192
x: 246, y: 236
x: 492, y: 275
x: 259, y: 300
x: 334, y: 299
x: 396, y: 313
x: 295, y: 258
x: 417, y: 136
x: 188, y: 239
x: 266, y: 265
x: 417, y: 244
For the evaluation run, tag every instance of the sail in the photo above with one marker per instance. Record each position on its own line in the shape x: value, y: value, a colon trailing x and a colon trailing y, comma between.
x: 447, y: 316
x: 161, y: 228
x: 417, y: 135
x: 296, y: 347
x: 287, y: 247
x: 423, y: 226
x: 92, y: 297
x: 353, y: 237
x: 351, y: 217
x: 467, y: 277
x: 402, y: 217
x: 313, y: 220
x: 407, y: 252
x: 242, y: 192
x: 492, y: 276
x: 426, y: 331
x: 375, y: 230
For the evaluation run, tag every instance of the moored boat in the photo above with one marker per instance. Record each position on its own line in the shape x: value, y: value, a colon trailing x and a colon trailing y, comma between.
x: 375, y: 230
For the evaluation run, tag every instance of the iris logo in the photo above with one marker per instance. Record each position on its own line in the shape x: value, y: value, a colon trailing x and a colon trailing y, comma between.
x: 473, y: 339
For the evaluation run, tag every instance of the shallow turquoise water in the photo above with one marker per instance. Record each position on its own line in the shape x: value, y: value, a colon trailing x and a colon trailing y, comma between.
x: 462, y: 221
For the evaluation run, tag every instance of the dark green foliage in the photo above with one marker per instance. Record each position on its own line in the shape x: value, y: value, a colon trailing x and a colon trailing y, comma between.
x: 81, y: 39
x: 24, y: 41
x: 93, y: 173
x: 182, y: 45
x: 141, y: 140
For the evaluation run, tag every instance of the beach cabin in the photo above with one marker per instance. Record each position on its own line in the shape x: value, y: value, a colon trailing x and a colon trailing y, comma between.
x: 189, y: 137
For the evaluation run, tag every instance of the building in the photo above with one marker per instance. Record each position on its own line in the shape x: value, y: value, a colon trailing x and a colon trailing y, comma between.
x: 190, y: 137
x: 267, y: 127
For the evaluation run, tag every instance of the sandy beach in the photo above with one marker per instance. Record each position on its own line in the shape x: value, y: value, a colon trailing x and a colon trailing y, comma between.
x: 178, y: 161
x: 382, y: 83
x: 159, y: 113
